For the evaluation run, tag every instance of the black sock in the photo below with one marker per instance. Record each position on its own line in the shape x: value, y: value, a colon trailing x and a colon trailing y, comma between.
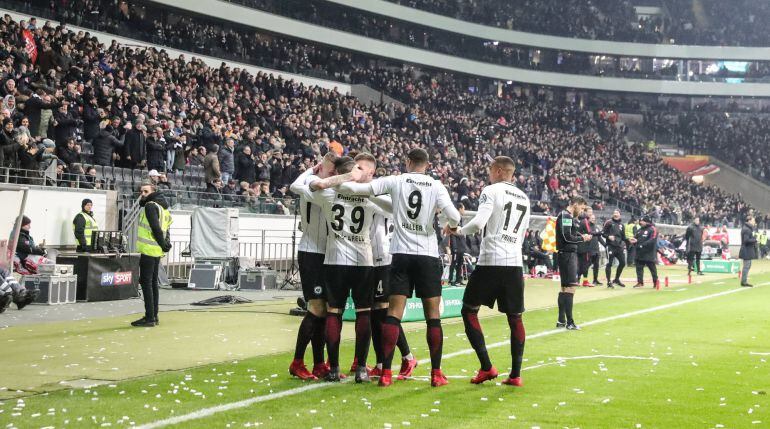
x: 304, y: 334
x: 402, y: 344
x: 518, y: 336
x: 363, y: 336
x: 608, y: 273
x: 568, y: 300
x: 318, y: 341
x: 476, y: 336
x: 333, y: 332
x: 390, y: 328
x: 561, y: 302
x: 378, y: 316
x: 435, y: 337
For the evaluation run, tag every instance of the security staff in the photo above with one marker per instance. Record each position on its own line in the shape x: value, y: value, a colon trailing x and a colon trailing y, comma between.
x: 630, y: 232
x: 152, y: 243
x: 646, y: 241
x: 84, y: 225
x: 694, y: 238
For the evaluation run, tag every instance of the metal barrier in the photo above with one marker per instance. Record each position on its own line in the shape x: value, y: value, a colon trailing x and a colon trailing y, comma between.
x: 271, y: 249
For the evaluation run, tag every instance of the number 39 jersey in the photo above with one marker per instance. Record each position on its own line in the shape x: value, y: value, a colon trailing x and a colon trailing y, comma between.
x: 506, y: 209
x: 415, y: 198
x: 350, y: 221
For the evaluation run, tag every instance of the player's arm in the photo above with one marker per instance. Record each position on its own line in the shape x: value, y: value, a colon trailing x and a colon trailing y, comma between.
x: 380, y: 186
x: 448, y: 208
x: 482, y: 216
x: 337, y: 180
x: 301, y: 181
x: 383, y: 203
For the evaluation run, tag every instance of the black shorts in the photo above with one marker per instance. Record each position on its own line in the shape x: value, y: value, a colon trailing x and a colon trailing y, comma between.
x: 418, y: 274
x: 341, y: 280
x: 568, y: 269
x: 489, y: 284
x: 311, y: 275
x: 380, y: 282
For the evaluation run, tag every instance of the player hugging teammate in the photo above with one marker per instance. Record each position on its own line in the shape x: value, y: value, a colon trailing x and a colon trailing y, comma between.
x: 367, y: 219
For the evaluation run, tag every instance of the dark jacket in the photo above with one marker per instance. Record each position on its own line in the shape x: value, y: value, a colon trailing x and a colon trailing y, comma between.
x: 694, y: 238
x: 646, y: 244
x: 65, y: 127
x: 26, y: 246
x: 136, y: 146
x: 27, y: 161
x: 153, y: 218
x: 458, y: 243
x: 91, y: 121
x: 245, y: 168
x: 68, y: 156
x: 226, y: 161
x: 748, y: 243
x: 105, y: 144
x: 596, y: 238
x: 156, y: 154
x: 8, y: 150
x: 584, y: 227
x: 615, y: 229
x: 32, y: 108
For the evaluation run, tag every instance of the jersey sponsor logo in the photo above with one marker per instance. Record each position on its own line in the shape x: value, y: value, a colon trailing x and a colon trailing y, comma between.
x: 351, y: 198
x: 116, y: 279
x: 483, y: 199
x: 414, y: 182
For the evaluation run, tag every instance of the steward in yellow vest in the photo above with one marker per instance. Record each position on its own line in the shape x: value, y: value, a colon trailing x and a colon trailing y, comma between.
x: 152, y: 243
x: 84, y: 225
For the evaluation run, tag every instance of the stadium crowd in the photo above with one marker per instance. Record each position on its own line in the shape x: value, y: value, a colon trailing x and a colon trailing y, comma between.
x: 140, y: 109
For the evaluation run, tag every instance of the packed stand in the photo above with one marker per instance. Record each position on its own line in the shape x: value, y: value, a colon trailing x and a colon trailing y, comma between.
x: 252, y: 135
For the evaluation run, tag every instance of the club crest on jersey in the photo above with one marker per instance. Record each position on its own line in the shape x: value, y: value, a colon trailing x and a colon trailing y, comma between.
x: 317, y: 290
x: 483, y: 199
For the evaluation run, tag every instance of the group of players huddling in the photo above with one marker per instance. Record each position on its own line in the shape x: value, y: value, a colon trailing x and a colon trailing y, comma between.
x: 374, y: 239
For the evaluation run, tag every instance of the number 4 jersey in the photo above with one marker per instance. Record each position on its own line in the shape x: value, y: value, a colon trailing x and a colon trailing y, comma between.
x: 503, y: 215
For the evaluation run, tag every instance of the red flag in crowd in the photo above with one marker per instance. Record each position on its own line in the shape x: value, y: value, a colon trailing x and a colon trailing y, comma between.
x: 30, y: 45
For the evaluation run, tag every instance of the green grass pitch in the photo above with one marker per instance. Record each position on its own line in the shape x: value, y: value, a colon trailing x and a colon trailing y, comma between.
x: 688, y: 356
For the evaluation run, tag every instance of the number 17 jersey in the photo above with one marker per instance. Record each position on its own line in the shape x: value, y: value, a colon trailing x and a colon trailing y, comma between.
x: 415, y: 198
x: 503, y: 234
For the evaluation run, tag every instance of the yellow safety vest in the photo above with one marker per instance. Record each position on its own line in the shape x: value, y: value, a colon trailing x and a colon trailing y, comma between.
x: 629, y: 230
x: 145, y: 242
x: 91, y: 226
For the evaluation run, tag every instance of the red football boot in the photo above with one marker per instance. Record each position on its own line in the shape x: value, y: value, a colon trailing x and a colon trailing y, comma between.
x: 299, y: 370
x: 586, y: 284
x: 407, y: 368
x: 437, y: 378
x: 483, y: 376
x: 513, y: 381
x: 386, y: 378
x: 321, y: 369
x: 375, y: 372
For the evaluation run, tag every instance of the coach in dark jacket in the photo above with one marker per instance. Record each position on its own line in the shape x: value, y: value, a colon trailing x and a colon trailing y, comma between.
x: 748, y: 249
x: 646, y: 251
x: 105, y: 144
x: 694, y: 238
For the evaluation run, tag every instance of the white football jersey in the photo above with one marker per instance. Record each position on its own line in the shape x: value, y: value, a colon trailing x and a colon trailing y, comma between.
x: 350, y: 221
x: 503, y: 215
x: 382, y: 231
x: 415, y: 200
x: 314, y: 227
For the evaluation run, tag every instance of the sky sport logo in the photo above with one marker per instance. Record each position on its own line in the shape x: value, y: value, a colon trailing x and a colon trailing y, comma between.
x: 116, y: 279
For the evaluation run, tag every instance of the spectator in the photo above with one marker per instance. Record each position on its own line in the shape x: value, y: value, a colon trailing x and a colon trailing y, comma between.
x: 65, y: 125
x: 105, y: 144
x: 135, y: 149
x: 245, y: 167
x: 211, y: 165
x: 156, y: 150
x: 226, y: 160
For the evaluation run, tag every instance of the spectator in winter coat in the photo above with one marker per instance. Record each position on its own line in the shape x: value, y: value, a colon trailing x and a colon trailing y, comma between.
x: 156, y: 150
x: 91, y: 119
x: 69, y: 154
x: 211, y: 165
x: 748, y: 249
x: 245, y: 168
x: 33, y: 109
x: 105, y: 144
x: 226, y: 160
x: 135, y: 150
x: 65, y: 124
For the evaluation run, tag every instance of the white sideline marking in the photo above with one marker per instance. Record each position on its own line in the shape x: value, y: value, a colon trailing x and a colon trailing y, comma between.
x: 759, y: 354
x: 206, y: 412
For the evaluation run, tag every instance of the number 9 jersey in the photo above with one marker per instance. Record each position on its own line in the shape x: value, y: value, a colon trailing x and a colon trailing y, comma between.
x: 415, y: 198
